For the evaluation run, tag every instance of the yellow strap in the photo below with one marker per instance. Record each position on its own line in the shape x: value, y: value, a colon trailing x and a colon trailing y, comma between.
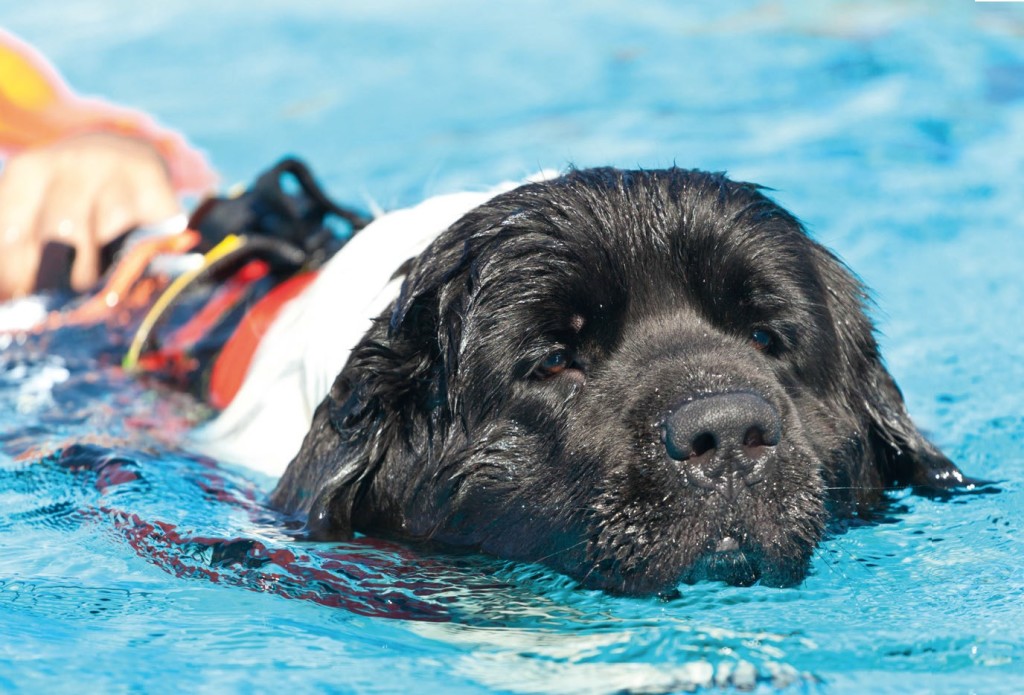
x: 227, y: 245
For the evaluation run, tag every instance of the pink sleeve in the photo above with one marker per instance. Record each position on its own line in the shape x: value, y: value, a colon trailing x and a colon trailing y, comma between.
x: 38, y: 108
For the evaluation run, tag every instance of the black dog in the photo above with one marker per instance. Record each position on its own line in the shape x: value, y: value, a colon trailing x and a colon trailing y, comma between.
x: 636, y: 378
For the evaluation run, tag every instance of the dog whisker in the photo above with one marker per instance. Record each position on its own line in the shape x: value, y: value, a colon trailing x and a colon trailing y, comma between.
x: 562, y: 551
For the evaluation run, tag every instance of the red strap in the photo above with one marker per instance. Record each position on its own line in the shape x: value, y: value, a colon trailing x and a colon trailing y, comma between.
x: 174, y: 357
x: 223, y: 300
x: 232, y: 363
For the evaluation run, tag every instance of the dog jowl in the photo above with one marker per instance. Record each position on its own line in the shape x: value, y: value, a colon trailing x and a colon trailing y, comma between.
x: 638, y: 378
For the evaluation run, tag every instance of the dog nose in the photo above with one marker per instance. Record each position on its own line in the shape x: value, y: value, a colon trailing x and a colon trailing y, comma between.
x: 725, y: 426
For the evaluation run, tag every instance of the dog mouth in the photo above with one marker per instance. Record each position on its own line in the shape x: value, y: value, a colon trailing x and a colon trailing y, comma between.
x: 732, y: 554
x: 737, y: 561
x: 740, y: 532
x: 735, y: 568
x: 727, y: 560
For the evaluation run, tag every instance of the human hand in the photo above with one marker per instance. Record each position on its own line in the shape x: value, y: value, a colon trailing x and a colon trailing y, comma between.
x: 83, y: 191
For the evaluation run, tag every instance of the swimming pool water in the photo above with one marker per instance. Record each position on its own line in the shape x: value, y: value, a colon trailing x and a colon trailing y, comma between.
x: 894, y: 130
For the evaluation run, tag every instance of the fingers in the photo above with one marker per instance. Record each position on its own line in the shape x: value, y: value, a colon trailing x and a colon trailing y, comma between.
x: 64, y: 217
x: 22, y: 191
x: 84, y: 192
x: 114, y: 211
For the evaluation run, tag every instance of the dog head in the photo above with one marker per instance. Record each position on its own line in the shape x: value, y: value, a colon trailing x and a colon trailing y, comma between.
x: 636, y: 378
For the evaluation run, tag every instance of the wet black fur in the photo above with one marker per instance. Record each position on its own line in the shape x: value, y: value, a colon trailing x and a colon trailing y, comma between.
x: 441, y: 427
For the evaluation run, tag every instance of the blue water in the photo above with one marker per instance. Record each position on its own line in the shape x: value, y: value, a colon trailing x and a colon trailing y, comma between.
x: 894, y: 130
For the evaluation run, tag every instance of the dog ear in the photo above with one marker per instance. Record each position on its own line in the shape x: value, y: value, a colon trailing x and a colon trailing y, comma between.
x: 387, y: 404
x: 333, y: 467
x: 905, y: 456
x: 902, y: 454
x: 374, y: 414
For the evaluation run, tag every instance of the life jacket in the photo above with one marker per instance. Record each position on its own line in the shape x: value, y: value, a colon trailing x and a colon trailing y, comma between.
x: 255, y: 304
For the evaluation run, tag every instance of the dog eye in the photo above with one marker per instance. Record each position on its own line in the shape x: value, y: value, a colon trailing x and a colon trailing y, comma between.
x: 554, y: 363
x: 762, y: 339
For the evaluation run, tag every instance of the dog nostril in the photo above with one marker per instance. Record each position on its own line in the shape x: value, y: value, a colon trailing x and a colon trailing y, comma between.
x: 755, y: 441
x: 702, y: 444
x: 754, y: 437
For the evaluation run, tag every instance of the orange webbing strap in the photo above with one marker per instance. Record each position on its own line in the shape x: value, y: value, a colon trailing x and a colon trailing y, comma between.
x: 38, y: 108
x: 123, y: 279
